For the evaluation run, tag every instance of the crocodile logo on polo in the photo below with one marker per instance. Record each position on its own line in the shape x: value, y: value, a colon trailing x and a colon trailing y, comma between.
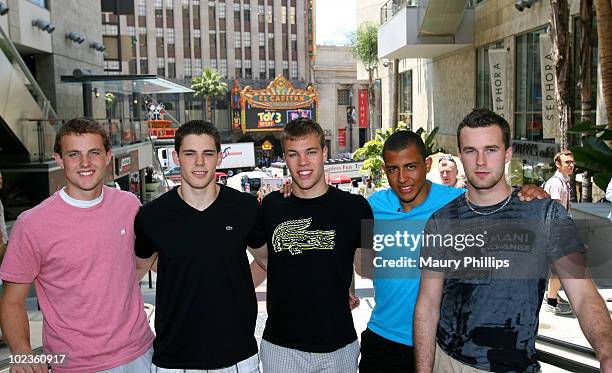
x: 294, y: 236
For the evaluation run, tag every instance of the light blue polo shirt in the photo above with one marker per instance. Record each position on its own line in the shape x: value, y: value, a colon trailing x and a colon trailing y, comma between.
x: 396, y: 297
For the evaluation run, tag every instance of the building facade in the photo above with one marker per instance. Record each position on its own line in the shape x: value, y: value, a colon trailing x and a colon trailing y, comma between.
x: 335, y: 76
x: 496, y: 56
x: 251, y: 41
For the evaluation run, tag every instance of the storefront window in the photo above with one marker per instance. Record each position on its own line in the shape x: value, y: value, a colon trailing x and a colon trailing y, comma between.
x: 528, y: 115
x: 405, y: 98
x: 483, y: 84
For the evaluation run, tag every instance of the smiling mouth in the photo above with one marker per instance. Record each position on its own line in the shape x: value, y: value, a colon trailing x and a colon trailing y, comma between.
x: 85, y: 173
x: 199, y: 173
x: 305, y: 173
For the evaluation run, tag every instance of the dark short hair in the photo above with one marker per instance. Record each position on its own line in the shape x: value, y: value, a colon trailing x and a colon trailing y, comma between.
x: 80, y: 126
x: 301, y: 127
x: 404, y: 139
x: 196, y: 127
x: 480, y: 118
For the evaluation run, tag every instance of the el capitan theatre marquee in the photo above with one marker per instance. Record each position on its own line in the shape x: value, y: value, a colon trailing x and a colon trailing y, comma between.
x: 270, y: 109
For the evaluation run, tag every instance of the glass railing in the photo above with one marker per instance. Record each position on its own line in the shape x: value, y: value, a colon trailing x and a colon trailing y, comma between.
x: 40, y: 134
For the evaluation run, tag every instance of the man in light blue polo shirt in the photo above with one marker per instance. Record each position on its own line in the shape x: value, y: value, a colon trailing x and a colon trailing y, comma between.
x: 386, y: 345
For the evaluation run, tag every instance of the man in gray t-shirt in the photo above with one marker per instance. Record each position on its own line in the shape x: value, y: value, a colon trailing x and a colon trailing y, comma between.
x: 485, y: 259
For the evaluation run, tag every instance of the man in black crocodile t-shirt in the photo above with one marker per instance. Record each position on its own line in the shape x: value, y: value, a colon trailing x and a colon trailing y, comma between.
x: 311, y: 242
x: 479, y: 298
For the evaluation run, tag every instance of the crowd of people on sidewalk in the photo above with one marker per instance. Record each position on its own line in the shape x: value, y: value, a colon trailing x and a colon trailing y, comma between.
x: 86, y: 247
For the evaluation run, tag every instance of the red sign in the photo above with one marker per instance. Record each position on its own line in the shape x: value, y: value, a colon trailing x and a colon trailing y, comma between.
x: 342, y: 137
x: 363, y: 108
x: 163, y: 133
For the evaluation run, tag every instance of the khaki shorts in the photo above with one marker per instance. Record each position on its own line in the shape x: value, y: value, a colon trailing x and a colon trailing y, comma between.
x: 446, y: 364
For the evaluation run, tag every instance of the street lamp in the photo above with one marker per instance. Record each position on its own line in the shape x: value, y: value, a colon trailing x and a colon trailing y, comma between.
x: 349, y: 118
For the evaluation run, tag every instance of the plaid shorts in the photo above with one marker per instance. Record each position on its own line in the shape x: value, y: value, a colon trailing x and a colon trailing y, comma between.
x: 278, y: 359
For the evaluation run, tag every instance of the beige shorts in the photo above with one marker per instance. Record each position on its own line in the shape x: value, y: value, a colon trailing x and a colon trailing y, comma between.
x: 446, y: 364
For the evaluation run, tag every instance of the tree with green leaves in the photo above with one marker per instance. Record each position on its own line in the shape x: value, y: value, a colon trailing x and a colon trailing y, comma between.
x: 210, y: 86
x: 594, y: 155
x: 364, y: 43
x: 372, y: 151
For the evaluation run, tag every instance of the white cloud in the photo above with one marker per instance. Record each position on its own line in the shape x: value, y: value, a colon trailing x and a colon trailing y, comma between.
x: 335, y: 20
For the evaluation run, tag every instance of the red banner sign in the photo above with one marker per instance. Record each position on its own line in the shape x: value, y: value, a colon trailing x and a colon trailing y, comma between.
x: 363, y: 108
x: 342, y: 137
x: 163, y: 133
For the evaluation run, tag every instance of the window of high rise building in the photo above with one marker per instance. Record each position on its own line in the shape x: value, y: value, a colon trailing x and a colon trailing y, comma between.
x: 197, y: 67
x: 159, y: 32
x: 110, y: 29
x: 161, y: 66
x: 246, y: 11
x: 271, y: 67
x: 269, y: 18
x: 292, y: 15
x: 262, y: 39
x: 221, y: 10
x: 132, y: 66
x: 283, y: 14
x: 170, y: 35
x: 238, y: 68
x: 223, y: 68
x: 237, y: 40
x: 169, y: 4
x: 142, y: 30
x: 144, y: 66
x: 171, y: 68
x: 247, y: 39
x: 294, y: 43
x: 185, y: 4
x: 197, y: 33
x: 213, y: 64
x: 131, y: 30
x: 286, y: 69
x: 142, y: 8
x: 187, y: 68
x: 248, y: 71
x: 159, y: 4
x: 222, y: 40
x: 195, y: 2
x: 262, y: 69
x: 237, y: 9
x: 261, y: 13
x: 294, y: 70
x: 343, y: 97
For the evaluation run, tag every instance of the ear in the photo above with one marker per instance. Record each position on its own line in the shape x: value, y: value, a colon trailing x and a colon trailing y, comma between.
x: 325, y: 152
x: 58, y: 159
x: 175, y: 157
x: 508, y: 156
x: 428, y: 162
x: 219, y: 158
x: 109, y: 157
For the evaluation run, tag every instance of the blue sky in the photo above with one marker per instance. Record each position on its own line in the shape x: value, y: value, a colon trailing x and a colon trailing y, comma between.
x: 335, y: 18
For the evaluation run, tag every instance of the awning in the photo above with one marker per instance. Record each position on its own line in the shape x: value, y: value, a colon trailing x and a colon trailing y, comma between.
x: 128, y: 84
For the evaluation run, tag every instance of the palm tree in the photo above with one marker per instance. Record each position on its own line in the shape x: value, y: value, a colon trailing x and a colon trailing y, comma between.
x: 209, y: 85
x: 559, y: 34
x: 364, y: 43
x: 603, y: 9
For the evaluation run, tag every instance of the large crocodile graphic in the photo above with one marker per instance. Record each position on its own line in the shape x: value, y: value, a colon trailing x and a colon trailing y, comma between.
x: 293, y: 235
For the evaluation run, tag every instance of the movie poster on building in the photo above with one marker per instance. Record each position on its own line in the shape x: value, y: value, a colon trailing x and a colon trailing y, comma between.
x: 550, y: 116
x: 363, y: 108
x: 497, y: 75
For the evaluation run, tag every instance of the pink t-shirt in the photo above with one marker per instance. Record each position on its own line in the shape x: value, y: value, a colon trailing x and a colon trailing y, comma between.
x: 82, y: 263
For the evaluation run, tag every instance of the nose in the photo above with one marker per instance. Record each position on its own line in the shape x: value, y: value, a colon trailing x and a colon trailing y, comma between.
x: 403, y: 176
x: 200, y: 159
x: 84, y: 160
x: 480, y: 159
x: 302, y: 159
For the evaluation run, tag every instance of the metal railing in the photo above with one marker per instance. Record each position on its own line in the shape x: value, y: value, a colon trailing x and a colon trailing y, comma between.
x: 19, y: 64
x: 392, y: 7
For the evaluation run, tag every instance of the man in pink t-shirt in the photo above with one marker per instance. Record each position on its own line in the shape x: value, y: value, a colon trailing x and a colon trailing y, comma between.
x: 77, y: 247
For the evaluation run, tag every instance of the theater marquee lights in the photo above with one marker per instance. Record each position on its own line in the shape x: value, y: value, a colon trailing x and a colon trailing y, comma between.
x: 270, y: 109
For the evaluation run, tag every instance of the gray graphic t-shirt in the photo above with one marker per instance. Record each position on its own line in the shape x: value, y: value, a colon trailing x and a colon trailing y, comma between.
x: 496, y: 264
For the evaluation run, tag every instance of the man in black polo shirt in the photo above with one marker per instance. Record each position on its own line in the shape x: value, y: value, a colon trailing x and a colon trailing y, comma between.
x: 311, y: 237
x: 206, y: 306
